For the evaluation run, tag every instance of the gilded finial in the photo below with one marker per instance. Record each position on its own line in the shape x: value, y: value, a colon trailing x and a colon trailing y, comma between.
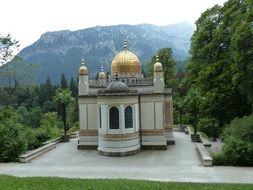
x: 125, y: 44
x: 83, y: 70
x: 116, y: 76
x: 102, y: 68
x: 82, y: 61
x: 157, y: 58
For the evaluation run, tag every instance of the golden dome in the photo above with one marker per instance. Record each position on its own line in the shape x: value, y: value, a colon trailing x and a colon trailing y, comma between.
x: 158, y: 67
x: 101, y: 75
x: 126, y: 63
x: 83, y: 70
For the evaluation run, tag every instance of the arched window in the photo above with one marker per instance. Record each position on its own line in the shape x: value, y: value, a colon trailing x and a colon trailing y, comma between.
x: 128, y: 117
x: 114, y: 118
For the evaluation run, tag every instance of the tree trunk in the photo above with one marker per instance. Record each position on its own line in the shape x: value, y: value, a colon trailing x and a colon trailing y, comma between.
x: 195, y: 121
x: 64, y: 118
x: 180, y: 117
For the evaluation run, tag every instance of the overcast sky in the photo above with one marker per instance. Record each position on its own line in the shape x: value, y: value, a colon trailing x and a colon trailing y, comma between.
x: 26, y: 20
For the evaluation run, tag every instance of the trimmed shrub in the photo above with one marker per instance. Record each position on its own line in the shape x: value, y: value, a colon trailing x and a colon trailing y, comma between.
x: 219, y: 159
x: 13, y: 143
x: 238, y: 152
x: 238, y: 146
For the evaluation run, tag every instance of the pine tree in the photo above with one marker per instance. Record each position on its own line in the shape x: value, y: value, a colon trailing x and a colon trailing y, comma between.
x: 64, y: 83
x: 73, y: 87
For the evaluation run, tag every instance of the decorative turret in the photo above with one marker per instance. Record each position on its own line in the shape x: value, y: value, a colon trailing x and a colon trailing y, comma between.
x: 83, y: 85
x: 158, y: 77
x: 102, y: 75
x: 83, y: 70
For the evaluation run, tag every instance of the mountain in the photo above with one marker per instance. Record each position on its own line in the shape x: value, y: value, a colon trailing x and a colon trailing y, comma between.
x: 61, y: 51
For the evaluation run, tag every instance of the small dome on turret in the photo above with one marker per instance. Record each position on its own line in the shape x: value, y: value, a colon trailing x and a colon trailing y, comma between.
x: 101, y: 74
x: 158, y: 67
x: 83, y: 70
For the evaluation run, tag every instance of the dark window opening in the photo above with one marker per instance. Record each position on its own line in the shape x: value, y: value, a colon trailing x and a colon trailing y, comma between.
x: 100, y: 117
x: 128, y: 117
x: 114, y: 118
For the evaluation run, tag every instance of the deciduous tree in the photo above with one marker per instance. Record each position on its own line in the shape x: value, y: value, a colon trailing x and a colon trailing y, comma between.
x: 221, y: 60
x: 166, y: 58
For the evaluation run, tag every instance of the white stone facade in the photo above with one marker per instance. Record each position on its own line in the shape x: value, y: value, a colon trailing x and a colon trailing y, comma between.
x: 152, y: 118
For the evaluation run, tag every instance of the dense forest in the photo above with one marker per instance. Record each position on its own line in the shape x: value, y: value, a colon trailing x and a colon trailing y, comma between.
x: 214, y: 94
x: 31, y: 115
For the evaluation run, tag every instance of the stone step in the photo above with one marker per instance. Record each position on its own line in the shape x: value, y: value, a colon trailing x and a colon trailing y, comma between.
x: 204, y: 155
x: 29, y: 155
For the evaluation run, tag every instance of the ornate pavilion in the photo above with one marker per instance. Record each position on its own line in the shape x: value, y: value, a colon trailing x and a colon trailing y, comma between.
x: 122, y: 113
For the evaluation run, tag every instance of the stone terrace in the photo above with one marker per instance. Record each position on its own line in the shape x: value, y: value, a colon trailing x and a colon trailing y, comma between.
x: 179, y: 163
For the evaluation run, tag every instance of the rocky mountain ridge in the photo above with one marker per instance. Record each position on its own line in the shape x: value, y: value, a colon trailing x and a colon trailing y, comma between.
x: 60, y: 52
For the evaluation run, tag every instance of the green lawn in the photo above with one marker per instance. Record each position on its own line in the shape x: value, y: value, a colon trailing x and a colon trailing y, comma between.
x: 54, y: 183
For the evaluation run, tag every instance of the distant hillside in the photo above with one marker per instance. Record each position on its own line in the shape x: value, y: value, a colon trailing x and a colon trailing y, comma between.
x: 60, y: 52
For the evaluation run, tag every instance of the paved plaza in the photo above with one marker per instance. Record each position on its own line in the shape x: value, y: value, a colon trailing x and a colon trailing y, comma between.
x: 179, y: 163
